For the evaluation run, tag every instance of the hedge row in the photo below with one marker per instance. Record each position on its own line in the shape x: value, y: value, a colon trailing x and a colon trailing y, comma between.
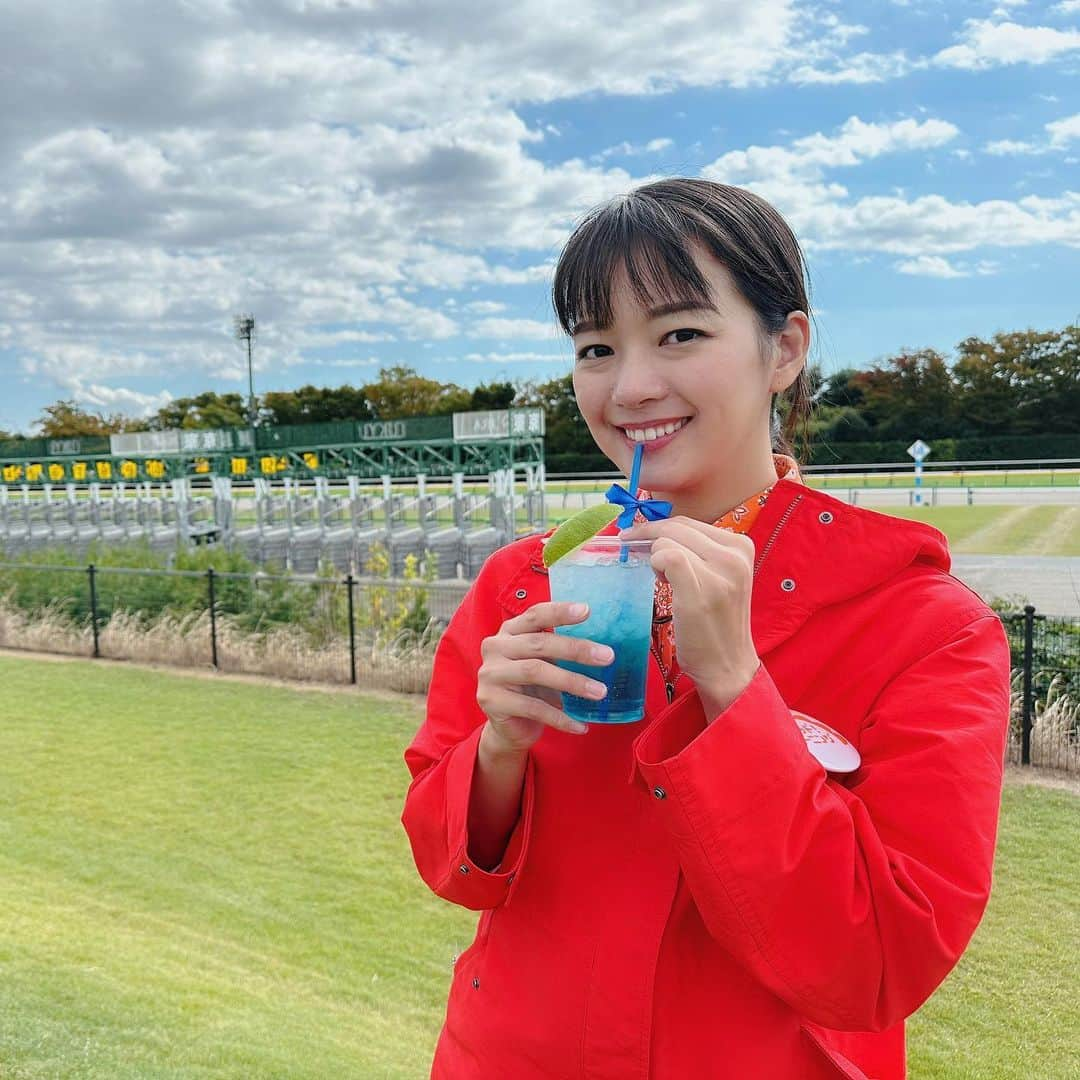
x: 985, y: 448
x: 981, y: 448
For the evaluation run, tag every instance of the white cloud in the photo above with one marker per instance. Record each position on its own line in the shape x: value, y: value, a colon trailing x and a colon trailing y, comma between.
x: 796, y: 178
x: 807, y: 159
x: 986, y: 44
x: 1067, y: 7
x: 327, y: 164
x: 514, y: 328
x: 860, y: 68
x: 339, y: 166
x: 517, y: 358
x: 322, y: 339
x: 1007, y: 147
x: 371, y: 361
x: 930, y: 266
x: 485, y: 307
x: 120, y: 398
x: 1064, y: 131
x: 627, y: 149
x: 1060, y: 133
x: 75, y: 367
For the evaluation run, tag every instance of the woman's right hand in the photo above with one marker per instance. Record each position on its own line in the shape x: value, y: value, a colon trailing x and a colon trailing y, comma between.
x: 518, y: 684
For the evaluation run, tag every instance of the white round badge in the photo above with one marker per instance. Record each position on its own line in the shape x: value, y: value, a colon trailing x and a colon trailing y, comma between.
x: 827, y: 745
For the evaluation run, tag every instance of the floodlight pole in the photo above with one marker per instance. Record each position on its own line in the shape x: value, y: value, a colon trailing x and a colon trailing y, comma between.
x: 251, y: 384
x: 244, y: 330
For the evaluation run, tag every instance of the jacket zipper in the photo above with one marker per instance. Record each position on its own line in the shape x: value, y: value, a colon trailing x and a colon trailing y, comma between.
x: 670, y: 686
x: 776, y: 532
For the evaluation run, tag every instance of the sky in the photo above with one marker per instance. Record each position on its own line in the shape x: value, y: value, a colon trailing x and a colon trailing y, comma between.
x: 387, y: 182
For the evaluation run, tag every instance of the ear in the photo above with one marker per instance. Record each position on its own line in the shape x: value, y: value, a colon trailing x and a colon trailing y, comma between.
x: 791, y: 346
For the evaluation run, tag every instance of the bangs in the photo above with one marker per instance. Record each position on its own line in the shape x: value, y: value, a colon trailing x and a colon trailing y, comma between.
x: 640, y: 238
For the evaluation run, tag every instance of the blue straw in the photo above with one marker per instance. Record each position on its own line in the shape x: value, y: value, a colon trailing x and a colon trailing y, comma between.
x: 635, y: 471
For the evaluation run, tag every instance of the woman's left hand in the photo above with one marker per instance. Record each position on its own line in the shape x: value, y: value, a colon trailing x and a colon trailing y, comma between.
x: 711, y: 572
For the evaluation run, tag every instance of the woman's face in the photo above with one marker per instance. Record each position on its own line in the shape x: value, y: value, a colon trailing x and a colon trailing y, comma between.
x: 694, y: 384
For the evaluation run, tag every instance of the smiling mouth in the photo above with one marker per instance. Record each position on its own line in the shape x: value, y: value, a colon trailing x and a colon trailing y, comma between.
x: 651, y: 434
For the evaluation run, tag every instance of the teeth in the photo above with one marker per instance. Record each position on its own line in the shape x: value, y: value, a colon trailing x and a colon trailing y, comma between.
x: 649, y: 434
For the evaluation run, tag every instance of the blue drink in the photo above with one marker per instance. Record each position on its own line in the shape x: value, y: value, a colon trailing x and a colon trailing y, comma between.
x: 620, y: 599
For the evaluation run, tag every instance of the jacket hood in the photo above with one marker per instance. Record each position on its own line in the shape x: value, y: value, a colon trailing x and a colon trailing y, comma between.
x: 814, y: 551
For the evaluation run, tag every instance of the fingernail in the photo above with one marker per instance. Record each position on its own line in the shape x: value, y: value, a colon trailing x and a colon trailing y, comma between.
x: 578, y: 728
x: 577, y: 610
x: 603, y: 653
x: 597, y: 690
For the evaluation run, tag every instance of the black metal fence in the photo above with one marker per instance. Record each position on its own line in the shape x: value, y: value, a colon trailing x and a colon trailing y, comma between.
x: 1046, y: 664
x: 382, y: 632
x: 375, y: 631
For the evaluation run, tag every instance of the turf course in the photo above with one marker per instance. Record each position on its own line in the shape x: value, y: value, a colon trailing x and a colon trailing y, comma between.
x: 1001, y: 530
x: 204, y: 878
x: 979, y: 530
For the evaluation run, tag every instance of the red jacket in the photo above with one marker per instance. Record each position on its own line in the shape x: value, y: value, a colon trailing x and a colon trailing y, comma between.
x: 682, y: 901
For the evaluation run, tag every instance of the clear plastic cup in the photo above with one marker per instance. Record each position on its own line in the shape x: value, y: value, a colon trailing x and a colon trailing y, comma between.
x: 620, y: 598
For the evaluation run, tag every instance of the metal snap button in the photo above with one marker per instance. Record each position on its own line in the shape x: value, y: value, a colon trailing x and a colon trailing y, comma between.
x: 788, y: 585
x: 476, y: 984
x: 521, y: 594
x: 660, y: 793
x: 825, y: 517
x: 463, y: 869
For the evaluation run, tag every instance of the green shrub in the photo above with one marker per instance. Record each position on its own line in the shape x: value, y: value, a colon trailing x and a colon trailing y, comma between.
x: 256, y: 601
x: 395, y: 612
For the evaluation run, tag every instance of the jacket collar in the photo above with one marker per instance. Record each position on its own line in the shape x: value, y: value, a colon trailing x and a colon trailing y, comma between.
x: 813, y: 550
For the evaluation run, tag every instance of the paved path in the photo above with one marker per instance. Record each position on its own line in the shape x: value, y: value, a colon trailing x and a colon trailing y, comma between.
x: 1051, y: 583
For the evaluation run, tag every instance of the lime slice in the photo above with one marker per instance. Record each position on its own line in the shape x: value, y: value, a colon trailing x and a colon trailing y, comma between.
x: 574, y: 531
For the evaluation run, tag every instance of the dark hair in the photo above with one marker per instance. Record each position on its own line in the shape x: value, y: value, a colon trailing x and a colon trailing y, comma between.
x: 651, y: 233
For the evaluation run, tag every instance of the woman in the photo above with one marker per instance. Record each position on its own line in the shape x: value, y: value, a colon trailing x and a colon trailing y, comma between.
x: 696, y: 895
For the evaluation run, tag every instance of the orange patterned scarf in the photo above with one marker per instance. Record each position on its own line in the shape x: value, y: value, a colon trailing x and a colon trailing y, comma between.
x: 739, y: 519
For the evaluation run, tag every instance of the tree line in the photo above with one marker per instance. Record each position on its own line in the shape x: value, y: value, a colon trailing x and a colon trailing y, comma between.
x: 1022, y: 386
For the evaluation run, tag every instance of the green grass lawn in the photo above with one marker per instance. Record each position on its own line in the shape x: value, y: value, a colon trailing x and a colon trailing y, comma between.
x: 209, y: 879
x: 1008, y: 1010
x: 1001, y: 530
x: 979, y: 530
x: 202, y: 878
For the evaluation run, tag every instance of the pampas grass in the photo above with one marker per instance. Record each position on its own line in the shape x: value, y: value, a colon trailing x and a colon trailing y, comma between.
x: 1055, y: 727
x: 402, y: 662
